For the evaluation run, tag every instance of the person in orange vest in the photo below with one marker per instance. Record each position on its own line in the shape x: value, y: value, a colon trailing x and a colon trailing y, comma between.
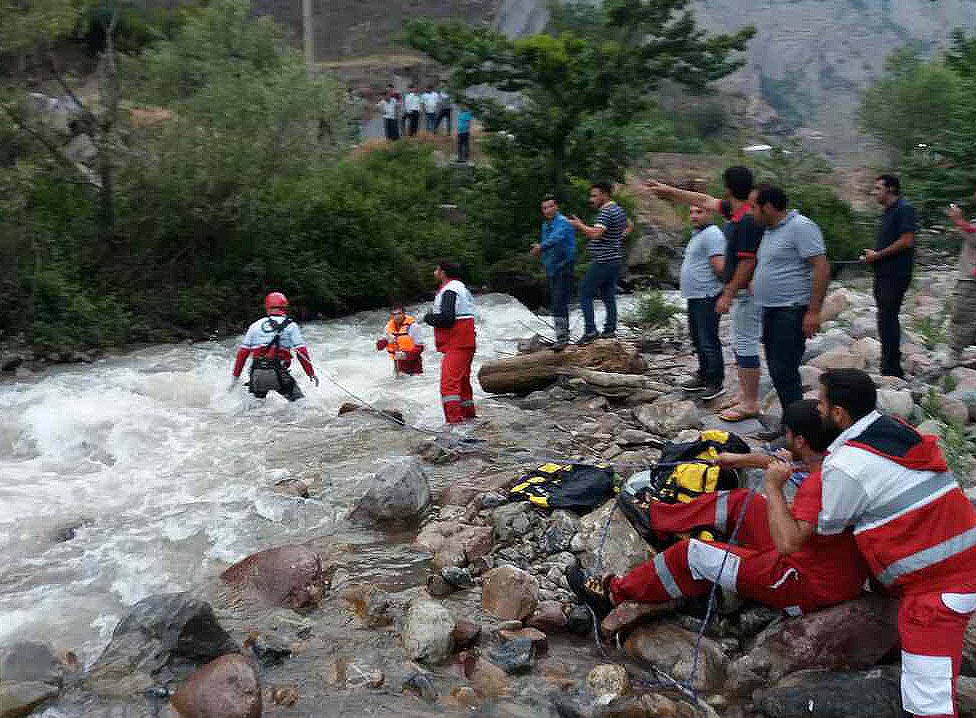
x: 403, y: 342
x: 269, y: 342
x: 454, y: 336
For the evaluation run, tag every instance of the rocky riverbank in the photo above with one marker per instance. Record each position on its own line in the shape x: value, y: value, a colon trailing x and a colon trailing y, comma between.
x: 487, y: 625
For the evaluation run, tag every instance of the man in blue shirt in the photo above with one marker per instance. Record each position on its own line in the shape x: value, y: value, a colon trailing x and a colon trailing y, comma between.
x: 558, y: 251
x: 464, y: 134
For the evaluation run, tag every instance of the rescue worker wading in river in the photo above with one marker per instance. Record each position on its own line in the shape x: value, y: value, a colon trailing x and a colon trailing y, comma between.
x: 269, y: 342
x: 403, y: 342
x: 453, y: 322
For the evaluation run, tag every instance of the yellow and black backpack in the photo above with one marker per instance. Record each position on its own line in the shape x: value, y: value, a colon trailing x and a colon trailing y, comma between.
x: 571, y: 486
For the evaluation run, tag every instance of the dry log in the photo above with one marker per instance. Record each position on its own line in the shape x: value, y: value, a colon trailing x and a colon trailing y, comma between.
x: 528, y: 372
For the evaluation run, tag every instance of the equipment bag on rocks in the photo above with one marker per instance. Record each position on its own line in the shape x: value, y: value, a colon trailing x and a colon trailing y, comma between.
x: 683, y: 473
x: 576, y: 487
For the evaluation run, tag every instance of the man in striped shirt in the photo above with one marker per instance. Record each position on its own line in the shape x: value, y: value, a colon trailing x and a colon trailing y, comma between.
x: 606, y: 251
x: 913, y: 525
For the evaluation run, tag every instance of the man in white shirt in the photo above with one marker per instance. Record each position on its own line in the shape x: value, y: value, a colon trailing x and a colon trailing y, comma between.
x: 388, y: 108
x: 411, y: 110
x: 430, y: 100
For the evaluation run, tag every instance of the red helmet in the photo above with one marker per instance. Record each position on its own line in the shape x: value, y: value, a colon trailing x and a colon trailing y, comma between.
x: 276, y: 303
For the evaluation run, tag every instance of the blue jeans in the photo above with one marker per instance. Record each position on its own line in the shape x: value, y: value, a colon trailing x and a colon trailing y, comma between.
x: 703, y: 328
x: 784, y: 343
x: 600, y: 279
x: 560, y: 287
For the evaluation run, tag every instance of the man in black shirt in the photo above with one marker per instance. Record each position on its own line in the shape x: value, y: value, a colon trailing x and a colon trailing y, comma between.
x: 892, y: 260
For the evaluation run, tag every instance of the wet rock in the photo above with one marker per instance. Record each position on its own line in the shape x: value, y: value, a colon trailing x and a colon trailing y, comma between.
x: 461, y: 491
x: 399, y: 491
x: 161, y: 637
x: 373, y: 606
x: 540, y: 643
x: 465, y: 633
x: 855, y: 634
x: 549, y: 617
x: 268, y: 649
x: 224, y: 688
x: 671, y: 648
x: 755, y: 619
x: 421, y: 684
x: 512, y: 521
x: 292, y: 487
x: 288, y: 576
x: 454, y: 543
x: 456, y: 577
x: 21, y: 698
x: 28, y: 662
x: 607, y: 681
x: 579, y: 620
x: 630, y: 613
x: 899, y: 403
x: 438, y: 587
x: 513, y: 656
x: 623, y: 549
x: 560, y: 529
x: 349, y: 407
x: 11, y: 364
x: 486, y: 678
x: 70, y: 530
x: 665, y: 417
x: 634, y: 437
x: 509, y: 593
x: 426, y: 635
x: 874, y: 693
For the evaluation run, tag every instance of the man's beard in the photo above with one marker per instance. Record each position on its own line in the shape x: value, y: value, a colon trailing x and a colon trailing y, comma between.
x: 831, y: 429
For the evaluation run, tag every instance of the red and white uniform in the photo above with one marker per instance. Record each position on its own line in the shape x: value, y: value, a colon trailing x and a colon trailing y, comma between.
x: 917, y: 531
x: 260, y: 335
x: 454, y: 337
x: 826, y: 571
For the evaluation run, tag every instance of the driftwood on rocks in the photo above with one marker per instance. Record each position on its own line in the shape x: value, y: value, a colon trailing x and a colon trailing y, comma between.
x: 528, y: 372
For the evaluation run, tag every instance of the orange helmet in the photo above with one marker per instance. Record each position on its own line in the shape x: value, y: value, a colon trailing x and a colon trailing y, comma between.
x: 276, y: 303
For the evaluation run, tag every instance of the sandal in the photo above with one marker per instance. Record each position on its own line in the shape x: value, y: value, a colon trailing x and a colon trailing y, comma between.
x: 734, y: 414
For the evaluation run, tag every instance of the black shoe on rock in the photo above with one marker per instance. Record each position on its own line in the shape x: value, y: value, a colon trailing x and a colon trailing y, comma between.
x: 587, y: 339
x: 608, y: 335
x: 711, y: 391
x: 594, y: 591
x: 694, y: 386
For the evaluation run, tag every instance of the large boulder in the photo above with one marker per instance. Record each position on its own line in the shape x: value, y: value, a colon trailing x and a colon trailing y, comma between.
x: 288, y: 576
x: 666, y: 417
x: 509, y: 593
x: 840, y: 358
x: 897, y: 402
x: 833, y: 304
x: 671, y: 648
x: 28, y: 661
x: 852, y: 635
x: 623, y: 547
x: 967, y: 397
x: 224, y: 688
x: 952, y: 409
x: 875, y: 693
x: 21, y: 698
x: 399, y: 491
x: 454, y: 543
x: 427, y: 629
x: 162, y: 637
x: 964, y: 378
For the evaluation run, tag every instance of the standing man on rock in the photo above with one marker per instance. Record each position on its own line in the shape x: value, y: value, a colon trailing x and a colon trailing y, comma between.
x: 789, y: 285
x: 892, y: 260
x: 742, y: 235
x: 701, y: 285
x: 454, y: 336
x: 431, y: 102
x: 964, y: 298
x: 557, y: 247
x: 606, y: 250
x: 388, y: 108
x: 913, y: 525
x: 411, y: 110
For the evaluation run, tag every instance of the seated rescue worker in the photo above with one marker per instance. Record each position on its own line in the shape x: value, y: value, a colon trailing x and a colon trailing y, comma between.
x: 778, y: 560
x: 269, y: 342
x: 914, y: 526
x: 403, y: 342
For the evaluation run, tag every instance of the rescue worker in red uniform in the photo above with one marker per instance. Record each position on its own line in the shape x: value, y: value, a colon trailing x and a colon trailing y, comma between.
x: 778, y: 559
x: 269, y: 342
x: 914, y: 526
x: 454, y: 336
x: 403, y: 342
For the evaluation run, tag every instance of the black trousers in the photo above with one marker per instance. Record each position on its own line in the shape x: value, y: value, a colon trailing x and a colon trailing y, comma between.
x: 392, y: 128
x: 784, y: 342
x: 703, y: 325
x: 889, y: 293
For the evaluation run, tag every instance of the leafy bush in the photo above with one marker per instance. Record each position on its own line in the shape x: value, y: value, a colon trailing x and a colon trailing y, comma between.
x: 652, y: 310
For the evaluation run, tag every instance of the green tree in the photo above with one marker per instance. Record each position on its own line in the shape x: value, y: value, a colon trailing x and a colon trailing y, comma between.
x: 599, y: 65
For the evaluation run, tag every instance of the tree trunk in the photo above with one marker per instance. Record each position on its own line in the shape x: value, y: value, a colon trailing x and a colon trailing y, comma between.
x: 529, y: 372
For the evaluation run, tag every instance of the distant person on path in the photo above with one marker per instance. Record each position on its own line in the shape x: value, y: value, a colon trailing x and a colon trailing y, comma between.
x: 269, y: 342
x: 742, y: 235
x: 701, y: 286
x: 411, y: 109
x: 454, y: 335
x: 963, y: 324
x: 388, y: 106
x: 606, y: 252
x: 464, y: 134
x: 403, y: 341
x: 444, y: 112
x: 430, y: 101
x: 557, y: 247
x: 789, y: 285
x: 892, y: 260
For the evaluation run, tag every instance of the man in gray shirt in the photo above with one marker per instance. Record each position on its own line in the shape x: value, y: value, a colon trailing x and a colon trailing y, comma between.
x: 789, y: 286
x: 701, y: 269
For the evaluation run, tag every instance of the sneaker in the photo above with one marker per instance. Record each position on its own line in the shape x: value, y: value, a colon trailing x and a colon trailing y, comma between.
x: 711, y: 391
x: 608, y: 334
x: 559, y: 345
x: 694, y: 386
x: 591, y: 590
x: 587, y: 338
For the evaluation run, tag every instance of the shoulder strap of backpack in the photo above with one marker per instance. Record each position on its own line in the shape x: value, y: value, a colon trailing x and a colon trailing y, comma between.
x: 278, y: 329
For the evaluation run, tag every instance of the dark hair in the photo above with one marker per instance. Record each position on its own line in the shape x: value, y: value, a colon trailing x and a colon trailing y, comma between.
x: 398, y: 305
x: 770, y: 194
x: 890, y: 182
x: 739, y: 181
x: 450, y: 267
x: 803, y: 419
x: 850, y: 389
x: 549, y: 197
x: 603, y: 186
